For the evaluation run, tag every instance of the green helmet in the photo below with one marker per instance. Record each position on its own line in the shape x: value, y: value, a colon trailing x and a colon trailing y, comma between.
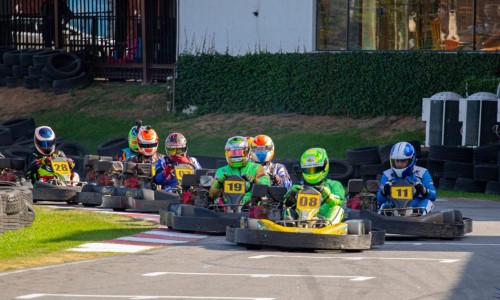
x: 237, y: 151
x: 315, y: 165
x: 132, y: 139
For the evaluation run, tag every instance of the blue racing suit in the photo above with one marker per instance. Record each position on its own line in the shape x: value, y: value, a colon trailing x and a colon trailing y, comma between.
x: 169, y: 181
x: 419, y: 174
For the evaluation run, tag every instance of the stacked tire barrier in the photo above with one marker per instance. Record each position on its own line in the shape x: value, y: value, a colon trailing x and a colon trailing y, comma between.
x: 44, y: 69
x: 16, y: 206
x: 473, y: 170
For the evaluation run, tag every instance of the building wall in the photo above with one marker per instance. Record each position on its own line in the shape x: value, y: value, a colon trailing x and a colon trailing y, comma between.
x: 231, y: 26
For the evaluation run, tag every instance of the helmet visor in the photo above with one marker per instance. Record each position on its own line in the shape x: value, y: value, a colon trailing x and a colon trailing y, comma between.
x: 236, y: 153
x: 46, y: 144
x: 314, y: 170
x: 145, y: 146
x: 262, y: 149
x: 176, y: 151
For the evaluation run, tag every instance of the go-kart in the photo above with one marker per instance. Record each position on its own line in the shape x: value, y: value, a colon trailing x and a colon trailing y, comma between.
x: 61, y: 185
x: 305, y: 232
x: 138, y: 192
x: 199, y: 214
x: 103, y: 175
x: 401, y: 219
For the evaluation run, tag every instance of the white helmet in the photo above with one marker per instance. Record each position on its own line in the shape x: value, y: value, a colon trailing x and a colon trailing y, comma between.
x: 403, y: 151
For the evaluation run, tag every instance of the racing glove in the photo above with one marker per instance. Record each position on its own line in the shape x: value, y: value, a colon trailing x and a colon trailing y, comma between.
x: 276, y: 180
x: 167, y: 171
x: 386, y: 189
x: 247, y: 177
x: 420, y: 189
x: 291, y: 193
x: 221, y: 179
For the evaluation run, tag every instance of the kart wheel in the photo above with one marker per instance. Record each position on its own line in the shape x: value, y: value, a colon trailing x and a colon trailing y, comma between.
x: 118, y: 209
x: 89, y: 205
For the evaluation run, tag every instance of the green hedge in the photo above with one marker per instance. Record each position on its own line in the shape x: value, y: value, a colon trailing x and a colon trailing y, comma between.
x: 354, y: 84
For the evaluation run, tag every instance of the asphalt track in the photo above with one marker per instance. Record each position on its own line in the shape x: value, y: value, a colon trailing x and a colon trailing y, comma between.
x: 210, y: 268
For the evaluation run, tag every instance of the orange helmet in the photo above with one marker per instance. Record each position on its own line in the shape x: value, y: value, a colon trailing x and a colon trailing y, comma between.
x: 147, y: 141
x: 262, y: 149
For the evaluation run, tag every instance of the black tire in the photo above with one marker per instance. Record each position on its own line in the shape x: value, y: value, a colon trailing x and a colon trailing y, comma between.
x: 63, y: 65
x: 19, y: 71
x: 5, y: 71
x: 40, y: 59
x: 11, y: 58
x: 72, y: 149
x: 62, y: 86
x: 12, y: 82
x: 454, y: 170
x: 34, y: 72
x: 493, y: 187
x: 112, y: 147
x: 31, y: 83
x: 17, y: 152
x: 20, y: 126
x: 470, y: 185
x: 340, y: 170
x: 486, y: 172
x: 384, y: 152
x: 6, y: 138
x: 446, y: 184
x: 4, y: 49
x: 363, y: 155
x: 450, y: 153
x: 435, y: 168
x: 26, y: 57
x: 45, y: 84
x: 487, y: 154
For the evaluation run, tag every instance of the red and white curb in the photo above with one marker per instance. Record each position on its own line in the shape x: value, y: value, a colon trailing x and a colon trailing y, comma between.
x: 162, y: 236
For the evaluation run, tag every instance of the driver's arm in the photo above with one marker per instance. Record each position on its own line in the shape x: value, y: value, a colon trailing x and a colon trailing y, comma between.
x: 380, y: 197
x: 429, y: 185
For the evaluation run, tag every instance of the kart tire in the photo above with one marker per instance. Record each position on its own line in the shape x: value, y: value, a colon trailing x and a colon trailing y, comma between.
x: 17, y: 152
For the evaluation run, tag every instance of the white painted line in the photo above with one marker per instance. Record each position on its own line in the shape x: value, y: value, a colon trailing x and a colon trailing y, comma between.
x: 149, y: 240
x: 109, y: 247
x: 439, y: 243
x: 52, y: 266
x: 441, y: 260
x: 135, y: 297
x: 176, y: 234
x: 352, y: 278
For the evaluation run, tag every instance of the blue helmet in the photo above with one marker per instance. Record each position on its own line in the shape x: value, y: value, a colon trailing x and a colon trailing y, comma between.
x: 45, y: 140
x: 403, y: 151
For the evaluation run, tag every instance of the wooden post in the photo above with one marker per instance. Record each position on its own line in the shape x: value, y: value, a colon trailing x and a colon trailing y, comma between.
x: 57, y: 24
x: 145, y: 75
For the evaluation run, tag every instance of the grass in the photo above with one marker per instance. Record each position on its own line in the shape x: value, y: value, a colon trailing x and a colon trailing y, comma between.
x: 478, y: 196
x: 56, y: 230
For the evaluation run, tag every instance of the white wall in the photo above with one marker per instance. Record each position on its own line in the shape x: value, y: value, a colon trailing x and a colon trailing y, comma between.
x: 230, y: 26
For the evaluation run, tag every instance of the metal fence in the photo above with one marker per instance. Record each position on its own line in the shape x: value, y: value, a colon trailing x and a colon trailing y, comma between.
x: 121, y: 39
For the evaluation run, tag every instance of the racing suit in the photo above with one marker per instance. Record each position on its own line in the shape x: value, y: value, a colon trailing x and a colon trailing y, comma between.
x: 255, y: 170
x: 169, y: 181
x: 419, y: 174
x: 278, y: 174
x: 39, y: 167
x: 332, y: 198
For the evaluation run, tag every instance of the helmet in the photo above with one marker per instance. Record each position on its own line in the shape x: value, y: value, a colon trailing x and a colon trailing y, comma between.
x: 315, y: 165
x: 262, y: 149
x: 132, y: 139
x: 175, y: 144
x: 237, y: 151
x: 403, y: 151
x: 147, y: 141
x: 45, y: 140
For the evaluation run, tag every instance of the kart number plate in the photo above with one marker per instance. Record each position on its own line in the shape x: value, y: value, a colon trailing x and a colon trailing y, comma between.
x: 234, y: 187
x: 61, y: 167
x: 179, y: 172
x: 308, y: 201
x: 402, y: 192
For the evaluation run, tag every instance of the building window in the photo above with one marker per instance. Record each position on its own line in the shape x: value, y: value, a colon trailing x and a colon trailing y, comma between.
x: 444, y: 25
